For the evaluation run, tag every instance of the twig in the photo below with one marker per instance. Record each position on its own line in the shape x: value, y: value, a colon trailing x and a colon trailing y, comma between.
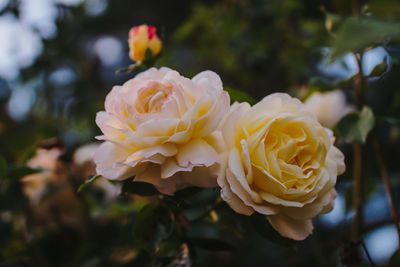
x: 367, y: 253
x: 386, y: 183
x: 361, y: 86
x: 357, y: 201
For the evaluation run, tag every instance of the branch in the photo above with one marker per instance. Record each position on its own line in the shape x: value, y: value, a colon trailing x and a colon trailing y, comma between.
x: 357, y: 198
x: 386, y: 183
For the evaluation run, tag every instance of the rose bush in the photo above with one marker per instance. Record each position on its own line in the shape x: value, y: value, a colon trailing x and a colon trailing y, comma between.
x: 160, y: 127
x: 280, y: 162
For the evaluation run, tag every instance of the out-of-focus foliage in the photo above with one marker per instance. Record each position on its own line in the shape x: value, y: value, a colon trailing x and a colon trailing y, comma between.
x: 258, y: 47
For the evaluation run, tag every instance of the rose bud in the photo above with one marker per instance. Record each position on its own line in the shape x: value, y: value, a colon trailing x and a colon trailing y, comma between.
x: 141, y: 38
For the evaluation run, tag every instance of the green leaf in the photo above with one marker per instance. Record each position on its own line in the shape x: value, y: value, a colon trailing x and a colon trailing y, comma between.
x: 385, y: 8
x: 3, y: 168
x: 240, y: 96
x: 171, y: 248
x: 395, y: 259
x: 379, y: 69
x: 17, y: 172
x: 356, y: 34
x: 88, y: 181
x: 138, y: 188
x: 153, y: 225
x: 355, y: 126
x: 261, y: 225
x: 210, y: 244
x: 322, y: 84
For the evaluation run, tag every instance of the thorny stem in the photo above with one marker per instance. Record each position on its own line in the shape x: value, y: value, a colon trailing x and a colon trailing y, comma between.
x: 357, y: 198
x: 360, y: 88
x: 386, y: 183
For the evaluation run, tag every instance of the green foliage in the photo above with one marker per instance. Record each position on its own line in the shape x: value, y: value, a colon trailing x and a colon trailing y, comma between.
x: 138, y: 188
x: 19, y: 171
x: 3, y: 168
x: 88, y: 181
x: 240, y: 96
x: 261, y: 225
x: 357, y: 34
x: 153, y: 225
x: 321, y: 84
x: 355, y: 126
x: 379, y: 69
x: 210, y: 244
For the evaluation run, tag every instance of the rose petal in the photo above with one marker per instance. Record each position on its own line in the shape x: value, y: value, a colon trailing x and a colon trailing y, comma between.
x: 291, y: 228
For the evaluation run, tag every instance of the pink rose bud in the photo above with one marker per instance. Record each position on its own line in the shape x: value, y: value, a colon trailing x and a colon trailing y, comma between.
x: 141, y: 38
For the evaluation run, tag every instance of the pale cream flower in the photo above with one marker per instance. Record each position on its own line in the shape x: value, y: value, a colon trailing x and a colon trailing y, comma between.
x: 83, y: 161
x: 160, y: 128
x: 329, y: 107
x: 35, y: 185
x: 280, y: 162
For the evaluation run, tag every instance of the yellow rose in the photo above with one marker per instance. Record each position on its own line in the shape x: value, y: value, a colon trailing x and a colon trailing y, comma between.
x: 280, y: 162
x: 141, y: 38
x: 160, y: 127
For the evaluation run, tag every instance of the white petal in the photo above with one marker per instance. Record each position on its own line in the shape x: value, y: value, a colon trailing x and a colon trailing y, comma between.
x: 108, y: 158
x: 197, y: 152
x: 209, y: 80
x: 152, y: 175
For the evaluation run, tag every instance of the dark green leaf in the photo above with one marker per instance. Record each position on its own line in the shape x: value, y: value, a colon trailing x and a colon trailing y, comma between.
x: 395, y: 259
x: 170, y: 248
x: 138, y: 188
x: 5, y: 232
x: 355, y: 126
x: 187, y: 192
x: 210, y: 244
x: 88, y: 181
x: 17, y: 172
x: 240, y: 96
x: 153, y: 224
x: 3, y: 168
x: 379, y: 69
x: 356, y: 34
x: 321, y: 84
x: 386, y: 8
x: 261, y: 225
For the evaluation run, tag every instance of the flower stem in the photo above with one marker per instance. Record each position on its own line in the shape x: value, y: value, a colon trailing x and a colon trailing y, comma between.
x: 386, y: 183
x: 357, y: 197
x: 360, y: 89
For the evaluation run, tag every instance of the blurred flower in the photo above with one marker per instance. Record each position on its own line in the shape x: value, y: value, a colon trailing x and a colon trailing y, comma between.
x: 35, y: 185
x: 84, y: 167
x: 141, y: 38
x: 280, y: 162
x: 160, y: 127
x: 53, y: 200
x: 329, y: 107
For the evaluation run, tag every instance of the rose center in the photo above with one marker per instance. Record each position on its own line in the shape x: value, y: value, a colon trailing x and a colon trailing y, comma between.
x: 292, y: 154
x: 151, y: 100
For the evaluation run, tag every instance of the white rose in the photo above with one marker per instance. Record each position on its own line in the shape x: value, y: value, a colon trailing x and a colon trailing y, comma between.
x: 280, y: 162
x: 160, y: 127
x: 329, y: 107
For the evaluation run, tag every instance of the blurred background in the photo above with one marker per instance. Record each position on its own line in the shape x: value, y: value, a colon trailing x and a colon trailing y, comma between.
x: 57, y: 63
